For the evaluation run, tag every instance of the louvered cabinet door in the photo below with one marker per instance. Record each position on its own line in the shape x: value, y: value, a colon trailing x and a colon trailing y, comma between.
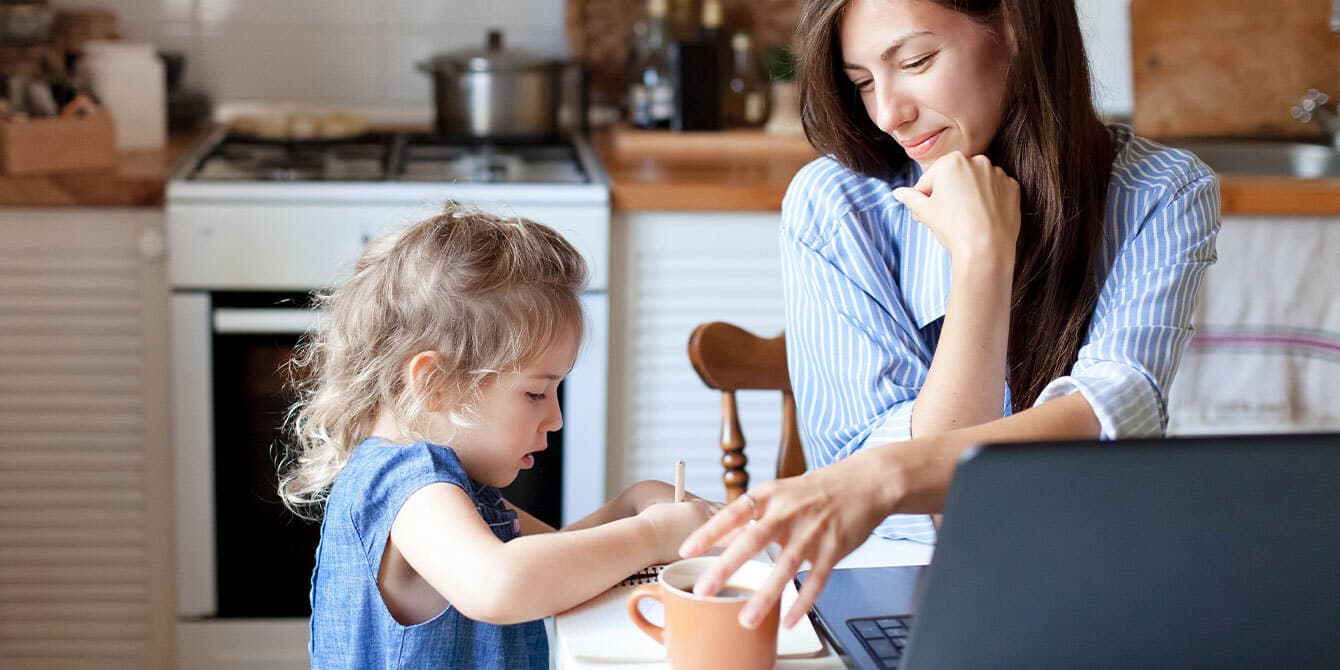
x: 85, y: 475
x: 673, y: 271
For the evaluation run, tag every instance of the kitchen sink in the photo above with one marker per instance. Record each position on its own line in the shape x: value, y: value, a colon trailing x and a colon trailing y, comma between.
x: 1259, y: 158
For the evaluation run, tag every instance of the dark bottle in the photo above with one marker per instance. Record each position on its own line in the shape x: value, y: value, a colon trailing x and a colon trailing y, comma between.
x: 710, y: 30
x: 746, y: 94
x: 711, y: 33
x: 651, y: 94
x: 683, y: 23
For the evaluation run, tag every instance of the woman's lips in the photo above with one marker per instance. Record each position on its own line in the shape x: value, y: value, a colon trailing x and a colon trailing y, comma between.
x: 528, y: 461
x: 922, y: 145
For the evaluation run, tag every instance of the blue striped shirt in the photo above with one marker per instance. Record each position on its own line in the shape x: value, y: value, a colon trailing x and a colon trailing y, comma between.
x: 866, y: 288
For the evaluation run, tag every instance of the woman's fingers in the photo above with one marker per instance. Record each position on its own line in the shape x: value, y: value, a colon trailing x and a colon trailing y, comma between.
x: 770, y: 591
x: 745, y: 546
x: 821, y: 566
x: 726, y: 519
x: 914, y: 200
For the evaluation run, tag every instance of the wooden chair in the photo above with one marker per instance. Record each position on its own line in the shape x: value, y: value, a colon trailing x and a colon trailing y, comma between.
x: 728, y: 359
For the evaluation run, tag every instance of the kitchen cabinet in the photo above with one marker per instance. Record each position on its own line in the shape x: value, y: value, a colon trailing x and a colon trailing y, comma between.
x: 85, y: 474
x: 670, y: 272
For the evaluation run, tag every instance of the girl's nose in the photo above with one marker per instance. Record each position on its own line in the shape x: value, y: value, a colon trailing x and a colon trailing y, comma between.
x: 553, y: 420
x: 893, y: 110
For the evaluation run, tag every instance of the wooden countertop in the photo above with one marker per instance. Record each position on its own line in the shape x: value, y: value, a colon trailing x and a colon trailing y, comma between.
x: 138, y: 180
x: 745, y: 171
x: 749, y: 171
x: 1279, y: 195
x: 733, y: 170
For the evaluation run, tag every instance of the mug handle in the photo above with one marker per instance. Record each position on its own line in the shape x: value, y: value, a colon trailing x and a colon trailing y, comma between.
x: 642, y: 592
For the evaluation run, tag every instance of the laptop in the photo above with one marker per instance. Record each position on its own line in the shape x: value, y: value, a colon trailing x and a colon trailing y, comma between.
x: 1208, y: 552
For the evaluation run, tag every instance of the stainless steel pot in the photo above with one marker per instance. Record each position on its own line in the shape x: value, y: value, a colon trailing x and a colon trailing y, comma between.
x: 495, y: 92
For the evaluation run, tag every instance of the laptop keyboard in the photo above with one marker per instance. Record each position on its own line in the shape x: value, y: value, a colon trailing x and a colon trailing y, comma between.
x: 882, y: 637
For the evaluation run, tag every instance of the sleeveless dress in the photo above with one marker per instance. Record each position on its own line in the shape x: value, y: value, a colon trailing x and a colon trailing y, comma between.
x: 351, y: 626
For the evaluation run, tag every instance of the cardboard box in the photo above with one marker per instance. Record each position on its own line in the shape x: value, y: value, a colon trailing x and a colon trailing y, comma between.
x: 57, y: 144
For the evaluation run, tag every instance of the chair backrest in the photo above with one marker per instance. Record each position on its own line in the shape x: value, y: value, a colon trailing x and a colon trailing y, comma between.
x: 728, y: 359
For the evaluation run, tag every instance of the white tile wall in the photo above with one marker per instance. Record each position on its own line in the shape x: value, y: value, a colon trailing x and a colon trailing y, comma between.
x: 1107, y: 38
x: 329, y: 51
x: 360, y: 52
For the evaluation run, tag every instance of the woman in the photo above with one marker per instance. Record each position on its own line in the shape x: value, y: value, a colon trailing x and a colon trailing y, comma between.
x: 977, y: 259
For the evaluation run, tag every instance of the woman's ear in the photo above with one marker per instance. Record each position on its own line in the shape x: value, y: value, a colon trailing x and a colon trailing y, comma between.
x: 422, y: 378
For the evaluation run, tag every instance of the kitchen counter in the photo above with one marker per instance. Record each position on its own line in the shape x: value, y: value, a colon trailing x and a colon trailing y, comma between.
x: 138, y: 180
x: 749, y: 171
x: 734, y: 170
x: 738, y: 170
x: 1279, y: 195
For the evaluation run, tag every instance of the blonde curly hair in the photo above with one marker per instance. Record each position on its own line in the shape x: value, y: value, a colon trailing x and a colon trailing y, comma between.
x: 488, y: 293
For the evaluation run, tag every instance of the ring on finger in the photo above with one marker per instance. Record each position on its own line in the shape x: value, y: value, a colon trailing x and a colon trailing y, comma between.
x: 753, y: 506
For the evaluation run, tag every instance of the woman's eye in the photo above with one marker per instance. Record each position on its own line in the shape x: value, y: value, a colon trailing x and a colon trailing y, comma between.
x: 863, y: 85
x: 535, y: 396
x: 918, y: 63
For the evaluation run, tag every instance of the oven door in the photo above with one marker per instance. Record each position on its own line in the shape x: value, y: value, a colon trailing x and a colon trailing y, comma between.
x: 241, y: 553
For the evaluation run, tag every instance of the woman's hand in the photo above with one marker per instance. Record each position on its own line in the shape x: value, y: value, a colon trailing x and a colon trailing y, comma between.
x: 818, y: 517
x: 970, y: 205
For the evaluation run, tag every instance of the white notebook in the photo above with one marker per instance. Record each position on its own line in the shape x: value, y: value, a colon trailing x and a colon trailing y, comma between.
x: 600, y: 630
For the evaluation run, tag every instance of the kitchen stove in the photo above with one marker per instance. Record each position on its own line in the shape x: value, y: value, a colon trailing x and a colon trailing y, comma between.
x: 242, y: 159
x: 426, y: 159
x: 254, y: 227
x: 410, y: 157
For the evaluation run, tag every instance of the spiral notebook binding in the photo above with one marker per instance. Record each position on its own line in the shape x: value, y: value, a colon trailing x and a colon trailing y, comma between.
x: 646, y: 575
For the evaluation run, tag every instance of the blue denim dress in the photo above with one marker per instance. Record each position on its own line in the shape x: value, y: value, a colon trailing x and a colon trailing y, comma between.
x: 351, y: 627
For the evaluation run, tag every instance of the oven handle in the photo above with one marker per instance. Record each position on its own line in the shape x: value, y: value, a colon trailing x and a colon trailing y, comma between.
x: 269, y: 321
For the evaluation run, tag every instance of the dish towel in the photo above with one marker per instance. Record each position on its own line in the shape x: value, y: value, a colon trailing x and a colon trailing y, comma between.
x: 1265, y: 356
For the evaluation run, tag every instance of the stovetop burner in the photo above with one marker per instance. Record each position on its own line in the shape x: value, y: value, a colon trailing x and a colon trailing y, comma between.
x: 240, y: 158
x: 392, y: 157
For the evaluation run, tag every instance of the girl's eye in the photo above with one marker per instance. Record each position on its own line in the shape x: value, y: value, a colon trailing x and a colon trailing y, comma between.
x: 535, y: 396
x: 863, y: 85
x: 918, y: 63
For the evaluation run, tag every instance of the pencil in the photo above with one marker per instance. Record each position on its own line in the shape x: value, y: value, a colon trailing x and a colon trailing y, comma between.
x: 679, y: 481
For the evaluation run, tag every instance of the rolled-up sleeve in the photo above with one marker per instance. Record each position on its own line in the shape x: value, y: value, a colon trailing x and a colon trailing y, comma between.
x: 853, y: 351
x: 1143, y: 319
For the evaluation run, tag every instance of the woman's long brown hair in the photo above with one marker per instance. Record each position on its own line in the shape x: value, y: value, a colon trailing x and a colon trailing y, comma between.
x: 1050, y: 140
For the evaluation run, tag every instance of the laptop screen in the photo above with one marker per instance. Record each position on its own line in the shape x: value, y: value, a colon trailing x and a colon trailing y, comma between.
x: 1190, y: 552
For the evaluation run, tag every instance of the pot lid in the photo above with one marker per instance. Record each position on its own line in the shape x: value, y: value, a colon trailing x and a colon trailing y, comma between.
x: 492, y: 57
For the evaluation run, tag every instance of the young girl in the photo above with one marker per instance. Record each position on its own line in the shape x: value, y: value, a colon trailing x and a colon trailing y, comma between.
x: 431, y: 383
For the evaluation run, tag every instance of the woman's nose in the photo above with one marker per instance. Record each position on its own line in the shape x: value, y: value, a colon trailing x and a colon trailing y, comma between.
x: 893, y: 109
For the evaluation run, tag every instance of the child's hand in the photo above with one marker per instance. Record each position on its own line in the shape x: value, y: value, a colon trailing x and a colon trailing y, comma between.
x: 648, y: 492
x: 672, y: 522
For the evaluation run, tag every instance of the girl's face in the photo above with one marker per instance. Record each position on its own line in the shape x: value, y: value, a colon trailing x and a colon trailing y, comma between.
x: 930, y: 77
x: 517, y: 411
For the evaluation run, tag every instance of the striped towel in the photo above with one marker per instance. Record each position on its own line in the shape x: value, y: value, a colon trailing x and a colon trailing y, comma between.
x: 1266, y: 353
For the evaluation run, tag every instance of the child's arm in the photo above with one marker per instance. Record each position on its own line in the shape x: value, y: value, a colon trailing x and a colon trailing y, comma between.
x: 632, y: 501
x: 530, y: 524
x: 440, y: 534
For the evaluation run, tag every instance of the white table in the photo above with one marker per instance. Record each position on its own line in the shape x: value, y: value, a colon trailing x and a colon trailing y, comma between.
x: 876, y: 551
